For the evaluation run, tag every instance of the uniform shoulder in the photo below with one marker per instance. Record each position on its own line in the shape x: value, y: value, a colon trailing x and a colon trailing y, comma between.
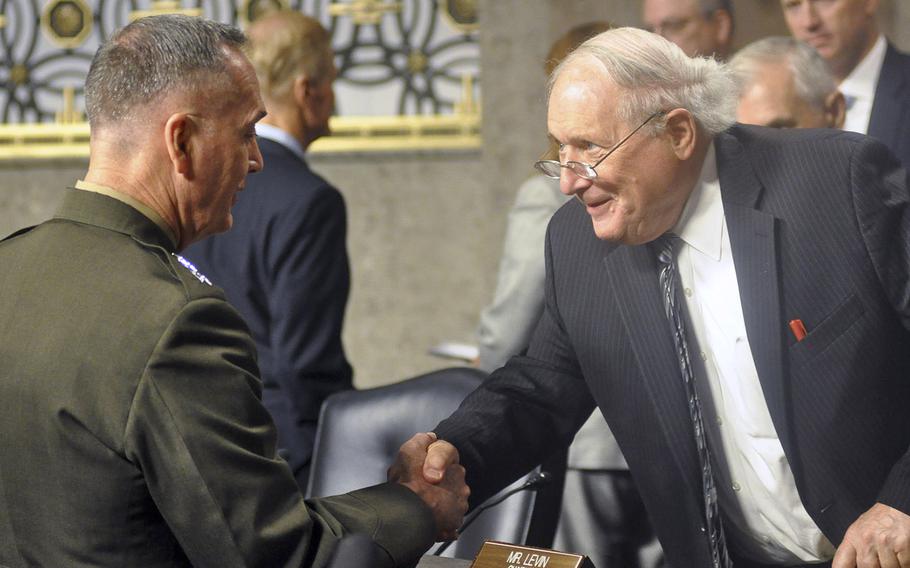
x: 173, y: 275
x: 194, y: 283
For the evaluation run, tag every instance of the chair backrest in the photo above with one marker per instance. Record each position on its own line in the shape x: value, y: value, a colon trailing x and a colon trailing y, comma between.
x: 360, y: 432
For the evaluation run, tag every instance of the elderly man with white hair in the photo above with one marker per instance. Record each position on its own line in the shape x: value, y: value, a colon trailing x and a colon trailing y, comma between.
x: 735, y: 301
x: 784, y: 83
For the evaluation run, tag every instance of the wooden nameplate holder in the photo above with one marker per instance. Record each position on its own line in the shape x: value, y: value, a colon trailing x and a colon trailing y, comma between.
x: 495, y: 554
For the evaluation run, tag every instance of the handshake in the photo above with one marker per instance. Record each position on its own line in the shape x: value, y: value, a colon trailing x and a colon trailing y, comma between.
x: 430, y: 468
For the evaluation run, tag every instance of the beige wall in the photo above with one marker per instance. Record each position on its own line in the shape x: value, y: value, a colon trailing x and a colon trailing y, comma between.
x: 426, y: 228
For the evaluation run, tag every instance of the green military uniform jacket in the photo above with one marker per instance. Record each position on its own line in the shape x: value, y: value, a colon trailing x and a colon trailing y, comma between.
x: 132, y: 431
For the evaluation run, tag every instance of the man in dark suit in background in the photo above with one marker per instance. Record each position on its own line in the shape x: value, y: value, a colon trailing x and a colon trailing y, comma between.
x: 873, y: 75
x: 739, y: 313
x: 284, y: 265
x: 133, y: 434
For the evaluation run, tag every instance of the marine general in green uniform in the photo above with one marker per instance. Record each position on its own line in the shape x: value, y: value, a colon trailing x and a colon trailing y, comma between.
x: 132, y: 431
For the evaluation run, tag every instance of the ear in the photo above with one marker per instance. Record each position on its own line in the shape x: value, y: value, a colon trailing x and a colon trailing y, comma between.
x: 177, y: 132
x: 682, y: 132
x: 302, y: 91
x: 835, y: 109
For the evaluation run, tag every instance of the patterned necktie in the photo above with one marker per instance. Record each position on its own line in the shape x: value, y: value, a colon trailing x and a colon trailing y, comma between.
x: 669, y: 277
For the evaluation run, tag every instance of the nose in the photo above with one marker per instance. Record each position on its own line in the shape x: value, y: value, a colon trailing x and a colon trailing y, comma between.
x: 807, y: 15
x: 256, y: 163
x: 571, y: 183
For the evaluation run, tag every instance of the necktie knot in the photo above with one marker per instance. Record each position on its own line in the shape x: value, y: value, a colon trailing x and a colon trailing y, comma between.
x: 665, y: 247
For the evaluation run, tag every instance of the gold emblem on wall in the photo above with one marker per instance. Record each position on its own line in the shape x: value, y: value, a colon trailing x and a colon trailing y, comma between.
x: 19, y: 75
x: 462, y: 14
x: 417, y: 61
x: 67, y: 22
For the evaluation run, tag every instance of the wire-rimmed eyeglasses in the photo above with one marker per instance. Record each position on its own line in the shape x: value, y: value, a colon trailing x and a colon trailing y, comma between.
x: 553, y: 168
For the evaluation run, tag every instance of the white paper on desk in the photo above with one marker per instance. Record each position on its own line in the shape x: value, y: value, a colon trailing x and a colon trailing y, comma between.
x: 455, y: 350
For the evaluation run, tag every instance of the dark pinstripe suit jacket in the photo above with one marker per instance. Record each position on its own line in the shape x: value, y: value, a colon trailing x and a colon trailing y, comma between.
x: 890, y: 120
x: 820, y: 230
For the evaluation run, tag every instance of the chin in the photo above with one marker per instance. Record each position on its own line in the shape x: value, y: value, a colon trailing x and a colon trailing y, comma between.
x: 607, y: 233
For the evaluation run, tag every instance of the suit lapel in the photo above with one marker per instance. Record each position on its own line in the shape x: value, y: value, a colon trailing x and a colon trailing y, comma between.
x: 755, y: 255
x: 633, y: 275
x: 886, y: 122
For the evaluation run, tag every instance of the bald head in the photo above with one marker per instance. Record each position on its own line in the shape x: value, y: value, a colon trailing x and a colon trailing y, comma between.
x: 292, y: 55
x: 287, y: 44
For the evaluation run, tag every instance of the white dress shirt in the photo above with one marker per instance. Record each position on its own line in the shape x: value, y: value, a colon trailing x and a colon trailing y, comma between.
x: 278, y: 135
x: 763, y: 516
x: 859, y: 88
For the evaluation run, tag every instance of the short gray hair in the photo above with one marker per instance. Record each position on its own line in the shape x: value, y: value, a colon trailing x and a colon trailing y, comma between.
x: 656, y: 75
x: 151, y: 57
x: 811, y: 77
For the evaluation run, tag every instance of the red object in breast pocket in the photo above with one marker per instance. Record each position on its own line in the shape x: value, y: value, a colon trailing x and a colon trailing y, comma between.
x: 798, y: 329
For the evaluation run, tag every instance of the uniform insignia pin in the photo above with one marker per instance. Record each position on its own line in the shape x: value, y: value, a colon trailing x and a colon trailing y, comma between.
x: 189, y: 266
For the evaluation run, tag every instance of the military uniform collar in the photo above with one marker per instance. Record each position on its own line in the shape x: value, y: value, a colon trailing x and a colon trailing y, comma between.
x: 105, y: 210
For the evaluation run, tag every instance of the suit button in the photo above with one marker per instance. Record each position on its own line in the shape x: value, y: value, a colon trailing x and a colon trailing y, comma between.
x: 736, y: 486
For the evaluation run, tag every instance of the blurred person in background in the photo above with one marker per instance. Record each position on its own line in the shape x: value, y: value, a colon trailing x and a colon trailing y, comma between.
x: 284, y: 265
x: 871, y: 73
x: 784, y: 83
x: 698, y: 27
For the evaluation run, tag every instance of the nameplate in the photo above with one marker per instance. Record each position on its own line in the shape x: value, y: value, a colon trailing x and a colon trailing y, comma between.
x: 503, y: 555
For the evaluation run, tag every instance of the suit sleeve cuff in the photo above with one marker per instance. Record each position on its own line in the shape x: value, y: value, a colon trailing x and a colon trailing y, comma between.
x: 402, y: 525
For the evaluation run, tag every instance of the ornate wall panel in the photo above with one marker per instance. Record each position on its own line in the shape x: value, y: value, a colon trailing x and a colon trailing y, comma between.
x: 408, y: 69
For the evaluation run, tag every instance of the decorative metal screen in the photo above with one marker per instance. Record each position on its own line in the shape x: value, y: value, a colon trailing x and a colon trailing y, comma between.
x: 407, y: 69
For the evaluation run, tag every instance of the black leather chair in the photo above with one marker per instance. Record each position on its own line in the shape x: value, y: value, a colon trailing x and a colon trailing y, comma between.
x: 360, y: 432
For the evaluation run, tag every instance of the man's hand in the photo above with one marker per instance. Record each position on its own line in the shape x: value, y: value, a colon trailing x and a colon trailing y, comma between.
x: 430, y: 469
x: 879, y: 538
